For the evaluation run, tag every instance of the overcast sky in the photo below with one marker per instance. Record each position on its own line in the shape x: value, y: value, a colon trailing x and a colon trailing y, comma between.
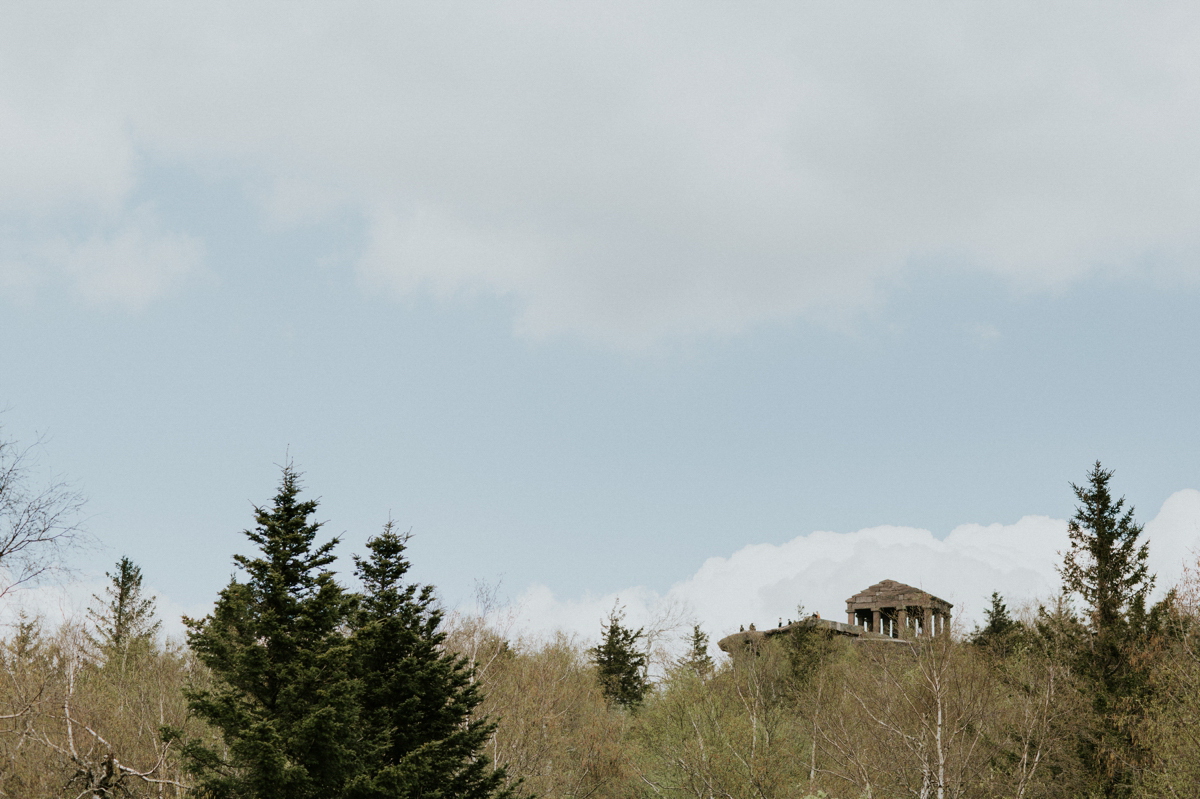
x: 742, y: 305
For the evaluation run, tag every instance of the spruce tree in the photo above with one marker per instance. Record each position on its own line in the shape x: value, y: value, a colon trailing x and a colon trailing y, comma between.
x: 417, y: 699
x: 320, y: 693
x: 1106, y: 567
x: 281, y: 695
x: 620, y: 664
x: 126, y: 619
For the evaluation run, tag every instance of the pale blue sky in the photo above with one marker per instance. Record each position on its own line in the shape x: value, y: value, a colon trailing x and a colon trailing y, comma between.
x: 585, y: 299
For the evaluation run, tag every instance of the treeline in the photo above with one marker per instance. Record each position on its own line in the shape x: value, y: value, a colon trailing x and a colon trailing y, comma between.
x: 1093, y: 694
x: 297, y: 686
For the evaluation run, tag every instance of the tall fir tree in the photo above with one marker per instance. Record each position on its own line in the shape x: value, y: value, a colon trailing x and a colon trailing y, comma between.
x: 282, y: 696
x: 1106, y: 567
x: 620, y: 663
x: 1106, y: 564
x: 125, y: 618
x: 417, y: 699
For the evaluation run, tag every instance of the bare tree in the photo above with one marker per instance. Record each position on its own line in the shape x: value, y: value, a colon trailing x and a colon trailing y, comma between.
x: 734, y: 735
x: 38, y: 525
x: 72, y: 727
x: 913, y: 722
x: 1170, y: 726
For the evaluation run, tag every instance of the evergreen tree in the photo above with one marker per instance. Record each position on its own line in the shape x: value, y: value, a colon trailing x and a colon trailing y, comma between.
x: 281, y: 696
x: 1105, y: 564
x: 417, y: 699
x: 126, y: 618
x: 697, y: 658
x: 999, y: 624
x: 1106, y: 567
x: 620, y: 665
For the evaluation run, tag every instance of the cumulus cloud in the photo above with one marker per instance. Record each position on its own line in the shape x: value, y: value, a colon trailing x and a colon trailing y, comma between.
x: 633, y: 172
x: 761, y: 583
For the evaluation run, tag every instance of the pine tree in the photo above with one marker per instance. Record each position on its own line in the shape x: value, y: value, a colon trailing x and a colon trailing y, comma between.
x: 281, y: 696
x: 126, y: 619
x: 620, y: 665
x: 697, y: 660
x: 417, y: 699
x: 1106, y: 567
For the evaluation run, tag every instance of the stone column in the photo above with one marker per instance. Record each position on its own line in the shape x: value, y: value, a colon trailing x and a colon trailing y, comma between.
x: 850, y: 618
x: 902, y: 622
x: 926, y: 621
x: 875, y: 621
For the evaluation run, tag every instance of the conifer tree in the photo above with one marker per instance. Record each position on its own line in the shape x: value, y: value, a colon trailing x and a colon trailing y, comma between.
x: 697, y: 659
x: 127, y: 617
x: 281, y: 696
x: 320, y: 693
x: 417, y: 699
x: 998, y: 623
x: 620, y: 664
x: 1106, y: 566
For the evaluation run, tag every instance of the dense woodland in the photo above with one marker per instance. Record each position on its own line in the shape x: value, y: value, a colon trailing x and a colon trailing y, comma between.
x: 296, y: 686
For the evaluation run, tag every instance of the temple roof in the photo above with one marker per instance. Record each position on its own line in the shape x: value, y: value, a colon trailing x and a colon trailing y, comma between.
x: 891, y: 594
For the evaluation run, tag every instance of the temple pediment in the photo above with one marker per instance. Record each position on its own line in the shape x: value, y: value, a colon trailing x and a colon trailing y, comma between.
x: 898, y: 610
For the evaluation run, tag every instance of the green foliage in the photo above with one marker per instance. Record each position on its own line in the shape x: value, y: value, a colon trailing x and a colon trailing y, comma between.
x: 998, y: 621
x: 304, y: 689
x: 1106, y: 566
x: 417, y: 700
x: 320, y: 693
x: 281, y: 696
x: 808, y: 649
x: 126, y: 619
x: 620, y: 664
x: 999, y: 629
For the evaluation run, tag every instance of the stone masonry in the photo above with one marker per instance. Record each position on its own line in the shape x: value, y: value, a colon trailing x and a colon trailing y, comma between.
x: 897, y: 610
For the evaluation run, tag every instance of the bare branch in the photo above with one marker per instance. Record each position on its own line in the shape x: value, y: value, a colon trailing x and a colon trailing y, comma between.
x: 37, y: 526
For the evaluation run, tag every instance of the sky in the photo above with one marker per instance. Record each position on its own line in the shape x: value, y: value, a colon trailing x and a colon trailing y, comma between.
x: 724, y: 307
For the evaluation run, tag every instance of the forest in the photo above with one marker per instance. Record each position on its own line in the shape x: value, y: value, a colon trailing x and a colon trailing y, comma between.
x: 296, y: 685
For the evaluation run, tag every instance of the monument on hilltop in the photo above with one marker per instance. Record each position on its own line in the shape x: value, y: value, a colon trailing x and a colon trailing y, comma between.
x: 888, y: 610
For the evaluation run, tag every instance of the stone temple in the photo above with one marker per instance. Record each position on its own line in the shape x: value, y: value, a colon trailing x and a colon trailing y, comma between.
x: 897, y: 610
x: 886, y: 611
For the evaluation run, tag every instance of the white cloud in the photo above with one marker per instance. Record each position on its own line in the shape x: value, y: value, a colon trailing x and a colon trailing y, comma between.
x: 632, y: 172
x: 762, y: 582
x: 130, y: 268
